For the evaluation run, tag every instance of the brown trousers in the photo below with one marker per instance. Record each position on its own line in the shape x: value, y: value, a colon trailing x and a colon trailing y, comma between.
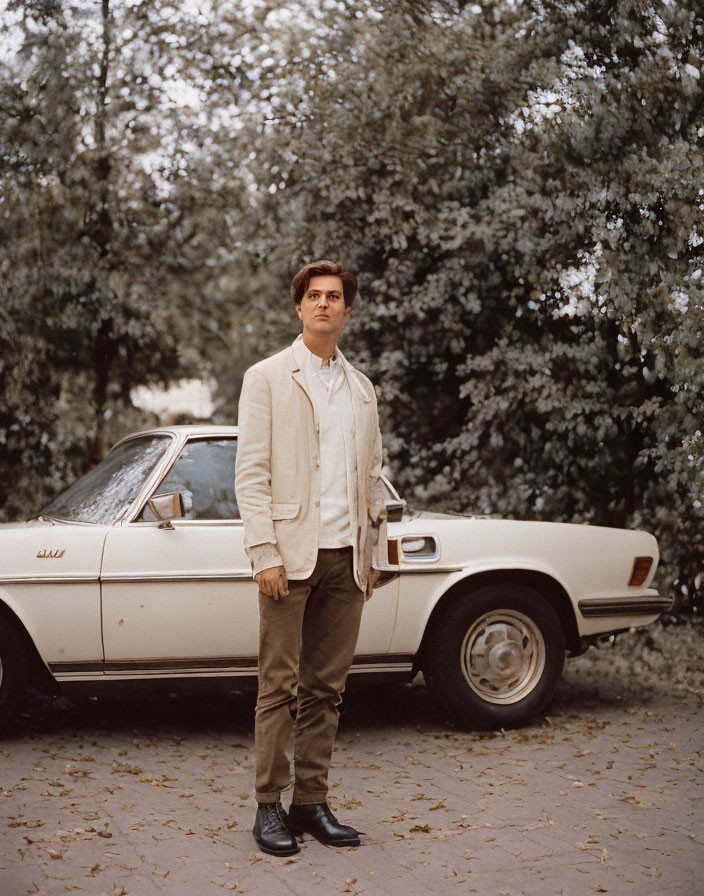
x: 306, y: 647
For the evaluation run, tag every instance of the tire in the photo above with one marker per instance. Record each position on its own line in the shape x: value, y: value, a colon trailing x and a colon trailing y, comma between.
x: 497, y: 656
x: 13, y: 670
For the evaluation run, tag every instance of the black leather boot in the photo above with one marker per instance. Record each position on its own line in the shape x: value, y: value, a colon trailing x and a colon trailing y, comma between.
x: 317, y: 819
x: 271, y: 833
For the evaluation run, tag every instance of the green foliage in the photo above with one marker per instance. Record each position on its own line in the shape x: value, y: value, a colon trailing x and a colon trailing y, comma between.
x: 519, y: 186
x: 520, y: 189
x: 115, y: 241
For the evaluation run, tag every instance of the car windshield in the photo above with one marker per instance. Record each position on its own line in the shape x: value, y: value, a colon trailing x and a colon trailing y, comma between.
x: 105, y: 492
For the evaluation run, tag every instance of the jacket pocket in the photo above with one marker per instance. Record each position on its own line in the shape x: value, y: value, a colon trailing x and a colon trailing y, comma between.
x: 285, y: 511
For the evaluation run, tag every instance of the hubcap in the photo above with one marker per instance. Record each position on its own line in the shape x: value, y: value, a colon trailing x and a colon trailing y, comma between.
x: 503, y: 656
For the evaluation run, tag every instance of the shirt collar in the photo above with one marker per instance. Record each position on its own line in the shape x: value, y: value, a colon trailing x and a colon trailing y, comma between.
x: 315, y: 362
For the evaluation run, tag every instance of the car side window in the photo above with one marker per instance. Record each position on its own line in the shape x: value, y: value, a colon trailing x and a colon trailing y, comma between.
x: 204, y: 473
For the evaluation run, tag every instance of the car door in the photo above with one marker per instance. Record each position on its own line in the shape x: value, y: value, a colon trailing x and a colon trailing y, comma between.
x: 181, y: 599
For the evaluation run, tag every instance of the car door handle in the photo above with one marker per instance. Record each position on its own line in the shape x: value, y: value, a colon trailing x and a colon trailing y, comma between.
x: 420, y: 547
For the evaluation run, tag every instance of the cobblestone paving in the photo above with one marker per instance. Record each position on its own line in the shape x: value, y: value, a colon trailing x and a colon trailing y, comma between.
x: 155, y: 796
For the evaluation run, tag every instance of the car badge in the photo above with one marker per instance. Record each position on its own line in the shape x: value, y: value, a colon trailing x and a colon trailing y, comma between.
x: 50, y: 555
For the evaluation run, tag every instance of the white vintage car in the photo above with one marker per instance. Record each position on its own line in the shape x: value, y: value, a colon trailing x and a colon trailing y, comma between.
x: 138, y: 572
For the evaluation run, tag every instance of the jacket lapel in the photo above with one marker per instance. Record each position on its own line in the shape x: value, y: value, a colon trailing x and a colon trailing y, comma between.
x: 360, y: 401
x: 295, y: 363
x: 358, y: 389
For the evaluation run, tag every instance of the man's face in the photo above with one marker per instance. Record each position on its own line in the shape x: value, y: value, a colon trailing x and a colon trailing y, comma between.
x: 322, y: 308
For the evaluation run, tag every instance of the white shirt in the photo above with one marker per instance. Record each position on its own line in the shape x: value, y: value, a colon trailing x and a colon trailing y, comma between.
x: 332, y: 401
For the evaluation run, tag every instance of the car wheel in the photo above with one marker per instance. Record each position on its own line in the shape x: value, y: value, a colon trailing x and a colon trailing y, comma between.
x: 13, y: 670
x: 496, y: 657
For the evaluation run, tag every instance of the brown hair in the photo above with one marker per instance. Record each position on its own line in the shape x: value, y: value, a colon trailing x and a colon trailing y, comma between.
x: 300, y: 282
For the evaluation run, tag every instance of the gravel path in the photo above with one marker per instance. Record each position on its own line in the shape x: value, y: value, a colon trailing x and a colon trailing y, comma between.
x: 150, y: 796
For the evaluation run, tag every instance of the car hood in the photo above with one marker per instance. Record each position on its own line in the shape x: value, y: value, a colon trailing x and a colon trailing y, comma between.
x: 415, y: 514
x: 25, y: 524
x: 37, y: 549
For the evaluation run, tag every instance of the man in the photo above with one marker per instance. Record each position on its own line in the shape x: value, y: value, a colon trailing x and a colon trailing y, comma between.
x: 312, y: 502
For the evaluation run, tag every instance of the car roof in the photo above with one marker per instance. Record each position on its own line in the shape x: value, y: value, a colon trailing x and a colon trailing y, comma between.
x: 182, y: 429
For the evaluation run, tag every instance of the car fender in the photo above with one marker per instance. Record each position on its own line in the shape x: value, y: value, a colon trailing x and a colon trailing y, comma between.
x: 12, y: 609
x: 50, y: 581
x: 422, y: 600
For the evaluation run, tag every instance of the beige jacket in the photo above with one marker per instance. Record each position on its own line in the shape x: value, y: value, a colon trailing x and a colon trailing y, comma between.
x: 277, y: 474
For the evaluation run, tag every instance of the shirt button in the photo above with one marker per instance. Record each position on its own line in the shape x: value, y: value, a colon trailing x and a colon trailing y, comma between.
x: 317, y: 503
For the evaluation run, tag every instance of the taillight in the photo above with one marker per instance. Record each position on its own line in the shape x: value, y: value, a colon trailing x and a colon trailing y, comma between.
x: 641, y: 568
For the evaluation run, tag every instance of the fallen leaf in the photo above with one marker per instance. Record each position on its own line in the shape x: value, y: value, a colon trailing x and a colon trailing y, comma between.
x: 124, y: 768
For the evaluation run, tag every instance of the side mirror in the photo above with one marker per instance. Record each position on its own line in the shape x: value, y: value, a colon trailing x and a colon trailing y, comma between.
x: 166, y: 508
x: 394, y: 510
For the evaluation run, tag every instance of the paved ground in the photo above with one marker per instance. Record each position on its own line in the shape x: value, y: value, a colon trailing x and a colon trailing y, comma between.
x: 604, y: 795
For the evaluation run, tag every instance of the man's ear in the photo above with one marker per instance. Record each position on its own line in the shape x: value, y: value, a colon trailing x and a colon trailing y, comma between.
x: 298, y: 310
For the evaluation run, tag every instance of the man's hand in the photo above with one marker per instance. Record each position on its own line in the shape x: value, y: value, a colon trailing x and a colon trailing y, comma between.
x: 372, y: 577
x: 272, y: 582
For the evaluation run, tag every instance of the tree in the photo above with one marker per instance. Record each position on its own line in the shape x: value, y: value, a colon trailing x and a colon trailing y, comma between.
x: 120, y: 197
x: 519, y: 187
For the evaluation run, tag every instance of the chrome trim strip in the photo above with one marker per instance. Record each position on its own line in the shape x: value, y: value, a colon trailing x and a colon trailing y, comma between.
x: 157, y: 431
x: 228, y: 662
x: 189, y: 577
x: 624, y: 606
x: 157, y: 674
x: 42, y: 580
x: 189, y: 429
x: 185, y: 577
x: 180, y: 523
x: 204, y: 663
x: 78, y: 676
x: 215, y: 667
x: 81, y: 666
x: 420, y: 569
x: 386, y: 658
x: 381, y: 667
x: 157, y: 474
